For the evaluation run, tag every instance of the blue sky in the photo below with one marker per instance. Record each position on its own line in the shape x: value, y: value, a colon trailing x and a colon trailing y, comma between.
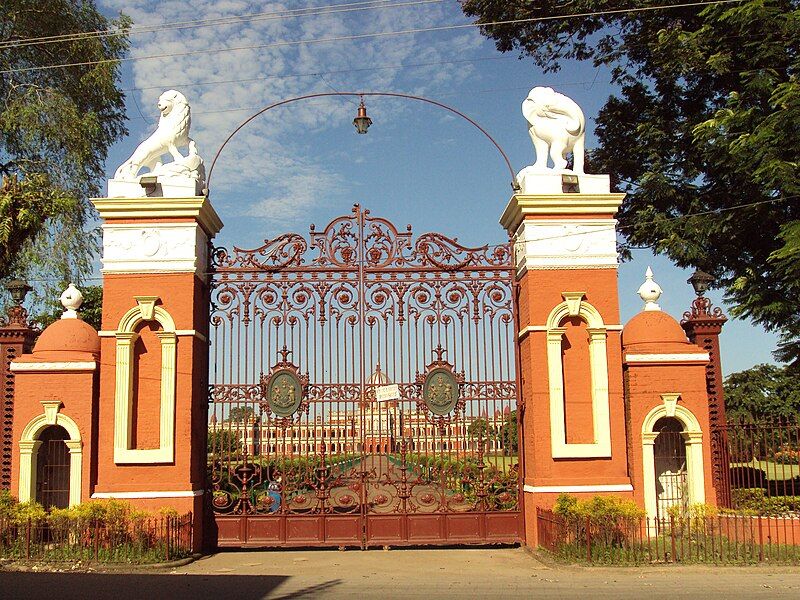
x: 304, y: 163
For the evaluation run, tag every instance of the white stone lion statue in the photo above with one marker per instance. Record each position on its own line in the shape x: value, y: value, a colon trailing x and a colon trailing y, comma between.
x: 172, y: 132
x: 557, y: 126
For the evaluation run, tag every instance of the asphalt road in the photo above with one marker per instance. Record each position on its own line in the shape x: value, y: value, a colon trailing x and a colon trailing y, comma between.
x: 447, y: 573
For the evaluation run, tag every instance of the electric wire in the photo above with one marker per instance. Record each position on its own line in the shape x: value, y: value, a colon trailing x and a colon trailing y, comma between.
x: 232, y: 20
x: 362, y: 36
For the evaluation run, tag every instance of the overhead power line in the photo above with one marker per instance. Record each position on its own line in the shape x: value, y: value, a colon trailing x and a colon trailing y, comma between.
x: 363, y: 36
x: 177, y: 25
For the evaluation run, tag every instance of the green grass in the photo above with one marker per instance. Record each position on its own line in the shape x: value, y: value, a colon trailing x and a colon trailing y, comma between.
x: 502, y: 463
x: 774, y: 471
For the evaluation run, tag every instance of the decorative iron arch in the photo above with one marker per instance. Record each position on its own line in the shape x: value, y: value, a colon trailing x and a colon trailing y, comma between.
x: 514, y: 183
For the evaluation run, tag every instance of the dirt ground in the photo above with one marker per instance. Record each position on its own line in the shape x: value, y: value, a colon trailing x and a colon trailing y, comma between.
x: 435, y: 573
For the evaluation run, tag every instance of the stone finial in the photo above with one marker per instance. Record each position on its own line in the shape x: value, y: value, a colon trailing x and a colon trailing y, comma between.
x: 71, y: 300
x: 650, y: 291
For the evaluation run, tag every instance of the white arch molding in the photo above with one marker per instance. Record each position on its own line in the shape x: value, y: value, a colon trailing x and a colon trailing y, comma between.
x: 575, y: 306
x: 693, y: 437
x: 126, y: 336
x: 29, y: 444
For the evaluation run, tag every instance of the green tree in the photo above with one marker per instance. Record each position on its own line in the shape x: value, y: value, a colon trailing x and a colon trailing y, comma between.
x: 705, y: 120
x: 56, y: 125
x: 762, y: 393
x: 240, y: 414
x: 224, y: 442
x: 509, y: 434
x: 478, y: 429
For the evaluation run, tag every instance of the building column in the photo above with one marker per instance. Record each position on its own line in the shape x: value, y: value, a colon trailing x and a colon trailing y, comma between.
x: 564, y: 235
x: 703, y: 325
x: 16, y: 339
x: 153, y: 398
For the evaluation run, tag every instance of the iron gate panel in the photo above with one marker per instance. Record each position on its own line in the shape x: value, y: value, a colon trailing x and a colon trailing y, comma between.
x: 309, y: 441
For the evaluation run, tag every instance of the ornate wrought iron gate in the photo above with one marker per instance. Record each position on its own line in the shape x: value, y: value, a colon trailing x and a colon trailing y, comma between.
x: 364, y: 396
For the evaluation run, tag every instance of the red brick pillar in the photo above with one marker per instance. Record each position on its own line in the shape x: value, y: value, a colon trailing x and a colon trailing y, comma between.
x: 16, y: 339
x: 573, y: 435
x: 703, y: 325
x: 152, y: 419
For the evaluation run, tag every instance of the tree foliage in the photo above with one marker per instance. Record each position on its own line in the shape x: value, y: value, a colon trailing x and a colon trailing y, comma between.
x: 762, y: 393
x: 478, y: 429
x: 56, y: 126
x: 705, y: 120
x: 509, y: 434
x: 241, y: 414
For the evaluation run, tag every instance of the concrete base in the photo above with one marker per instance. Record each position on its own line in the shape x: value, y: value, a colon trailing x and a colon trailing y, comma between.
x: 535, y: 182
x: 155, y: 187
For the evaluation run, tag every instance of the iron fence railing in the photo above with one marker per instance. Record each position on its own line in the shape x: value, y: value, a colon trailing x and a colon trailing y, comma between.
x: 763, y: 463
x: 141, y: 541
x: 718, y: 539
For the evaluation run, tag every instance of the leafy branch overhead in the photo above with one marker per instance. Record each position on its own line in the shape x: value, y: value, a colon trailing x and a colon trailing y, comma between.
x: 56, y: 126
x: 702, y: 132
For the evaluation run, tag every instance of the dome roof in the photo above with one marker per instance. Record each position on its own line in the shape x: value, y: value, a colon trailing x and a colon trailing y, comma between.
x: 67, y: 336
x: 378, y: 377
x: 653, y: 327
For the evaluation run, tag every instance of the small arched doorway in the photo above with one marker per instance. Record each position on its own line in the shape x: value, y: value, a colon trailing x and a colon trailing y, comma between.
x: 669, y: 455
x: 53, y: 468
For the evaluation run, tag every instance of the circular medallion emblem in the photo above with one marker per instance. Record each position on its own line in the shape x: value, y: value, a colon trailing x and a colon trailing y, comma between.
x: 284, y: 393
x: 440, y: 391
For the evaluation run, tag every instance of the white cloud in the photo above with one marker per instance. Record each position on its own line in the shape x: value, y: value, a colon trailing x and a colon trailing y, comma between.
x: 265, y: 160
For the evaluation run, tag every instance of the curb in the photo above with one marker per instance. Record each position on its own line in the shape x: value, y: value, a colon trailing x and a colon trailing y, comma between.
x: 12, y: 565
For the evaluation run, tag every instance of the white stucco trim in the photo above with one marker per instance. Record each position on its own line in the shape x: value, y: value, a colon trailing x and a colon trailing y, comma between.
x: 575, y: 306
x: 525, y: 331
x: 29, y: 445
x: 178, y: 332
x: 577, y: 489
x: 158, y: 494
x: 35, y: 367
x: 144, y: 311
x: 693, y: 436
x: 154, y: 248
x: 668, y: 358
x: 574, y: 243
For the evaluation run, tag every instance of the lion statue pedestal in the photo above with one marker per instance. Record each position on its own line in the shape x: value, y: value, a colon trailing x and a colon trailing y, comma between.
x: 163, y: 187
x: 184, y: 176
x: 532, y: 182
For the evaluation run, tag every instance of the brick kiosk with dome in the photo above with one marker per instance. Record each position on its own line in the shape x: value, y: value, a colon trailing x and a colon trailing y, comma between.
x: 667, y: 410
x: 55, y: 410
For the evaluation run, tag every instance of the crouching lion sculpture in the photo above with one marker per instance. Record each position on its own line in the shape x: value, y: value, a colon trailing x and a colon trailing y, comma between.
x: 556, y: 126
x: 172, y: 132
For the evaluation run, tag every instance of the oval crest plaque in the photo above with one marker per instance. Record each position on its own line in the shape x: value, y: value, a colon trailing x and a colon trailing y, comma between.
x: 284, y: 392
x: 440, y: 391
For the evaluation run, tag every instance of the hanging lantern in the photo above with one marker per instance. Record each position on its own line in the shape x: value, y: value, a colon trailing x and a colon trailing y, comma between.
x: 362, y: 121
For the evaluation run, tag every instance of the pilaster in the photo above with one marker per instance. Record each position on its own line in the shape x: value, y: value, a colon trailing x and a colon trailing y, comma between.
x: 16, y: 339
x: 703, y: 324
x: 564, y: 235
x: 155, y: 322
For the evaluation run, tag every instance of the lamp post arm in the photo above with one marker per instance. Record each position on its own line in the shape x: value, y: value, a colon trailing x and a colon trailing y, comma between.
x: 514, y: 183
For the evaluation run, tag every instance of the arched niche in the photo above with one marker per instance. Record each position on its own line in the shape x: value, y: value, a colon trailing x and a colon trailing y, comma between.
x: 144, y: 311
x: 693, y: 438
x: 29, y: 444
x: 575, y: 306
